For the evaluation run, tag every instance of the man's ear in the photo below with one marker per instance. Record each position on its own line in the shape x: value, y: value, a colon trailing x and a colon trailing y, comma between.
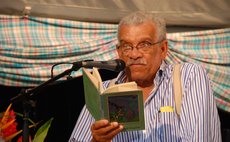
x: 164, y: 49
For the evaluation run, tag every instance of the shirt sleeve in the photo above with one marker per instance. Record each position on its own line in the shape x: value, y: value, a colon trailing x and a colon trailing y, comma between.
x: 201, y: 111
x: 81, y: 131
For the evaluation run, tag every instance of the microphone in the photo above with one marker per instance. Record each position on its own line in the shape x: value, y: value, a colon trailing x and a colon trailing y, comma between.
x: 113, y: 65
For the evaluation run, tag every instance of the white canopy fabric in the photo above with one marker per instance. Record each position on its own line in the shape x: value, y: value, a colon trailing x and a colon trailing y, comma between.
x: 192, y: 13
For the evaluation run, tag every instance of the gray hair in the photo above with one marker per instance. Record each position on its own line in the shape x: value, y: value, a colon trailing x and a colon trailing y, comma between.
x: 140, y: 17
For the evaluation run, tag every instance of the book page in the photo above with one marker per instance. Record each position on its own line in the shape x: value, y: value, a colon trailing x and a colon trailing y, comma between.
x: 96, y: 74
x: 121, y: 87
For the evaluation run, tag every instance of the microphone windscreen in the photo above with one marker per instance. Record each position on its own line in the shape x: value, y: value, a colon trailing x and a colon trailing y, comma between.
x: 120, y: 65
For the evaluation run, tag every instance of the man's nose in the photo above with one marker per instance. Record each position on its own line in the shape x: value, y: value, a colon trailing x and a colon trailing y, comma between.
x: 135, y: 53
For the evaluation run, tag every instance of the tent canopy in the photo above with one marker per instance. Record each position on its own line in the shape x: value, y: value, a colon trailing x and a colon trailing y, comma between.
x: 191, y: 13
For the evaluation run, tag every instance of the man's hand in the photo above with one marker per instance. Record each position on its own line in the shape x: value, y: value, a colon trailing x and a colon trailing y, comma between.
x: 103, y: 131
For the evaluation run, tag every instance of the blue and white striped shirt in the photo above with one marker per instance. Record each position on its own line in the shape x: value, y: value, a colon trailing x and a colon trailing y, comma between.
x: 198, y: 120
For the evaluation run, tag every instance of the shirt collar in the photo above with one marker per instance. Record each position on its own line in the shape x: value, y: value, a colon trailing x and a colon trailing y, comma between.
x: 160, y: 73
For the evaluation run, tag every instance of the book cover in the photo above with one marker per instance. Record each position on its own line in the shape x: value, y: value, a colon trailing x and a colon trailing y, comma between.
x: 121, y: 102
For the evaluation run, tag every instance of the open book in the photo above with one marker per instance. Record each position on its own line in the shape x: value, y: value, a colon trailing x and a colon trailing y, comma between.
x: 120, y: 102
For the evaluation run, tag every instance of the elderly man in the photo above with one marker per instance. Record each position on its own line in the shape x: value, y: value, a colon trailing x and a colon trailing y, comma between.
x: 143, y: 46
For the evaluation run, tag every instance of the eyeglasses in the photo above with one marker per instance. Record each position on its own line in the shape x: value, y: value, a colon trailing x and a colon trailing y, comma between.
x: 143, y: 47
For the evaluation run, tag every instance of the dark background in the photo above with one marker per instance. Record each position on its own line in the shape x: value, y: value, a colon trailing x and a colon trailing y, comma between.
x: 63, y: 101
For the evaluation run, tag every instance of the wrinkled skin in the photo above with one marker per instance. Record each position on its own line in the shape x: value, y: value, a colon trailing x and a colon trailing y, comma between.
x: 143, y: 74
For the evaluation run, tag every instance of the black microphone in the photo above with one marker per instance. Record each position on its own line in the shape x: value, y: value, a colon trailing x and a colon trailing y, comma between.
x: 113, y: 65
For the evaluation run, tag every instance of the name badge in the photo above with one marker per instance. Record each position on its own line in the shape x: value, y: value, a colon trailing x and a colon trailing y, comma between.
x: 166, y: 109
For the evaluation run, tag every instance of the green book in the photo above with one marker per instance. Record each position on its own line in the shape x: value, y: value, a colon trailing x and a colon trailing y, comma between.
x: 120, y: 102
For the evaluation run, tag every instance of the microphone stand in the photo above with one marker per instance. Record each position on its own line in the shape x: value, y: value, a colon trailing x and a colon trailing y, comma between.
x: 25, y: 94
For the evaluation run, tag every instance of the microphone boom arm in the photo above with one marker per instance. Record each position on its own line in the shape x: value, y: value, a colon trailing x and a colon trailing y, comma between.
x: 25, y: 94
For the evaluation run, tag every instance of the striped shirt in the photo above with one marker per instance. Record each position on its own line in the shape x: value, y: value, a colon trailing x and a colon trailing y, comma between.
x: 198, y: 120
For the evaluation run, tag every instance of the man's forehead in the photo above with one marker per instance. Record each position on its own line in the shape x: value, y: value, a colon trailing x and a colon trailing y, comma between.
x: 136, y: 33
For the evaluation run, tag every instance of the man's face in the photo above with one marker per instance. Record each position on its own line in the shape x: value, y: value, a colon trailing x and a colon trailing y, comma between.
x: 141, y: 66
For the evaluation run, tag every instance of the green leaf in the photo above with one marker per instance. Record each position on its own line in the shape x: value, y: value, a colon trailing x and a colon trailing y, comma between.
x: 21, y: 115
x: 42, y: 131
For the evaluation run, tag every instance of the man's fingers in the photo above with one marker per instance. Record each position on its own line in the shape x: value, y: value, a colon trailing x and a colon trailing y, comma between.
x: 100, y: 124
x: 102, y: 130
x: 107, y: 133
x: 113, y: 132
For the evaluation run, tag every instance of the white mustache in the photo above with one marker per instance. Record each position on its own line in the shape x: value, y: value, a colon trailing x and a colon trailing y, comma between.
x: 139, y: 61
